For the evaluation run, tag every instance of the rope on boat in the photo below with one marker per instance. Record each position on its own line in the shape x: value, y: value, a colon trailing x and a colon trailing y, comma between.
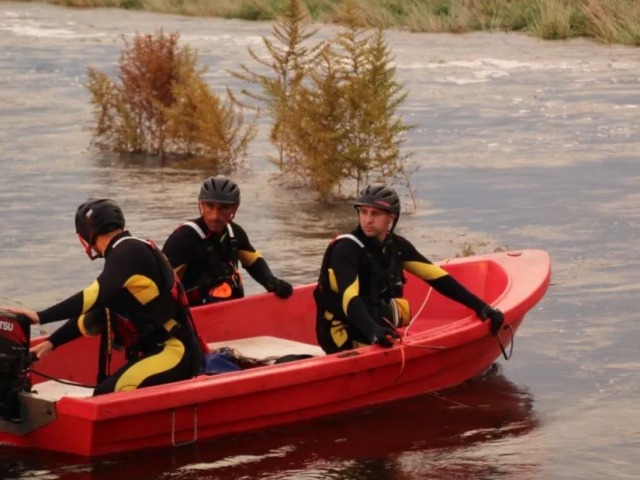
x: 424, y: 304
x: 65, y: 382
x: 513, y: 337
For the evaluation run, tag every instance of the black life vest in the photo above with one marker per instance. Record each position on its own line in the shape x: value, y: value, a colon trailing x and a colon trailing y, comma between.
x: 384, y: 283
x: 148, y: 322
x: 222, y: 280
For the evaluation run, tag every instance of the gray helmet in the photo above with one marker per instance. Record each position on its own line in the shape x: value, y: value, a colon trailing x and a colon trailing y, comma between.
x: 97, y: 216
x: 220, y: 189
x: 379, y: 196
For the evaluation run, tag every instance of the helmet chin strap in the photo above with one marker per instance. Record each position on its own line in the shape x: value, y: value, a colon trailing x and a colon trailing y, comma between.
x: 393, y: 227
x: 88, y: 249
x: 395, y: 222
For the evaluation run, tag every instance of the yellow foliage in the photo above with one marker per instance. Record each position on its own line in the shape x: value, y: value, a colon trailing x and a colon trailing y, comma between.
x: 163, y: 106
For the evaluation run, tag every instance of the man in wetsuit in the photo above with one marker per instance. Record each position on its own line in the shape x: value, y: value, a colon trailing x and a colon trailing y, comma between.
x: 206, y: 251
x: 359, y: 294
x: 137, y: 298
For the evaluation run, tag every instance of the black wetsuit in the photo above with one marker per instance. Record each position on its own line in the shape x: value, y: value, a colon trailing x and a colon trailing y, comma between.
x: 356, y: 280
x: 136, y: 298
x: 205, y: 261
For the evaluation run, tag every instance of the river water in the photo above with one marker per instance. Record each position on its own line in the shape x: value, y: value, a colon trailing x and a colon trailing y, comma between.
x: 520, y: 143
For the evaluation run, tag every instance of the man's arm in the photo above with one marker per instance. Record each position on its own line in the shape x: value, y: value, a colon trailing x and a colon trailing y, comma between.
x: 177, y: 249
x: 118, y: 268
x: 444, y: 283
x: 257, y: 266
x: 416, y: 263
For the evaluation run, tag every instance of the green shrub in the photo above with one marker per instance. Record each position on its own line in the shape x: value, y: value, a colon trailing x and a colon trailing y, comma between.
x: 334, y: 105
x: 289, y: 61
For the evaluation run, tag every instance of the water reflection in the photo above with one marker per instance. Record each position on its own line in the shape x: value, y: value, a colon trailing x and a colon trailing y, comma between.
x: 454, y: 435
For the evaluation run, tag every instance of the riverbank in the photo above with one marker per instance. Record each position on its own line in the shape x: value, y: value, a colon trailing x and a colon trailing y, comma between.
x: 606, y: 21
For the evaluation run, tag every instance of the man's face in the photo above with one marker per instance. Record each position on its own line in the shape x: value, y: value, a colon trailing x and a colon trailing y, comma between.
x: 375, y: 222
x: 217, y: 215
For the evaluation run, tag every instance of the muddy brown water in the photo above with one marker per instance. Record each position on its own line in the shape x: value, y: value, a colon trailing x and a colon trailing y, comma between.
x: 520, y: 143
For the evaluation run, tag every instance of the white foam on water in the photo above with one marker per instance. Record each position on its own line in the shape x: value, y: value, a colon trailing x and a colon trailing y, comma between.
x: 12, y: 22
x: 484, y: 69
x: 497, y: 64
x: 223, y: 39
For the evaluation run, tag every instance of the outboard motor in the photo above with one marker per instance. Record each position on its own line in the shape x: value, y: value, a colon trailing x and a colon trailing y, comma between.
x: 15, y: 335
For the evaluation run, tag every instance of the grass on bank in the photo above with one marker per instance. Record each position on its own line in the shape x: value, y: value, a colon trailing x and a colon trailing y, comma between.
x: 607, y: 21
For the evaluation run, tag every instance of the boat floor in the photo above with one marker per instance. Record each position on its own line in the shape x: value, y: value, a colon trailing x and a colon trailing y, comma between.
x: 259, y: 348
x: 53, y: 391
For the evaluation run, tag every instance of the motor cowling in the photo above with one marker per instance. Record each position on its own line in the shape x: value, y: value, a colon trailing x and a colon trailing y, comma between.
x: 15, y: 333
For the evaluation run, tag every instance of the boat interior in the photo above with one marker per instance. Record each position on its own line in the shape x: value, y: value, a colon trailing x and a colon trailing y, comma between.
x: 263, y: 327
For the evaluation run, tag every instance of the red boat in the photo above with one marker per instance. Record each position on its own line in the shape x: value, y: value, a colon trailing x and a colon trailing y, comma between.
x: 444, y: 345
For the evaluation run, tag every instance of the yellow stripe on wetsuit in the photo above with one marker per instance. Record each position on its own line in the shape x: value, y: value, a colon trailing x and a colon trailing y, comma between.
x: 142, y: 288
x: 426, y: 271
x: 248, y: 258
x: 350, y: 292
x: 168, y: 358
x: 180, y: 269
x: 90, y: 295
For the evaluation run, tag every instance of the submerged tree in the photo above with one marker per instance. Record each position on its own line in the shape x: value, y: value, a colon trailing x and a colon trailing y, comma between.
x: 383, y: 130
x: 318, y: 135
x: 373, y: 96
x: 335, y: 106
x: 288, y: 66
x: 162, y: 106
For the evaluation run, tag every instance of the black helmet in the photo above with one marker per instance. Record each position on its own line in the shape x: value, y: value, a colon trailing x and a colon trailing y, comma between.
x: 379, y: 196
x: 98, y: 216
x: 220, y: 189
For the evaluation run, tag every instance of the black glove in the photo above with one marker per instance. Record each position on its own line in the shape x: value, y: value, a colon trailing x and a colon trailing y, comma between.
x: 281, y: 288
x: 495, y: 315
x: 383, y: 336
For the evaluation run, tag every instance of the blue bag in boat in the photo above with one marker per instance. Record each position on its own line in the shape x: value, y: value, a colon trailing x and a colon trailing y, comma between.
x: 220, y: 361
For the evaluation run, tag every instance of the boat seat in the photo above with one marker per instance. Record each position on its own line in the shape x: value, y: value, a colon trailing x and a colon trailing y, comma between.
x: 266, y: 347
x: 54, y: 391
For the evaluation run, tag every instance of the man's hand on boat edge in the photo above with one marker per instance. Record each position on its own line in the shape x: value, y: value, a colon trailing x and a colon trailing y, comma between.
x: 38, y: 351
x: 384, y: 336
x: 496, y: 317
